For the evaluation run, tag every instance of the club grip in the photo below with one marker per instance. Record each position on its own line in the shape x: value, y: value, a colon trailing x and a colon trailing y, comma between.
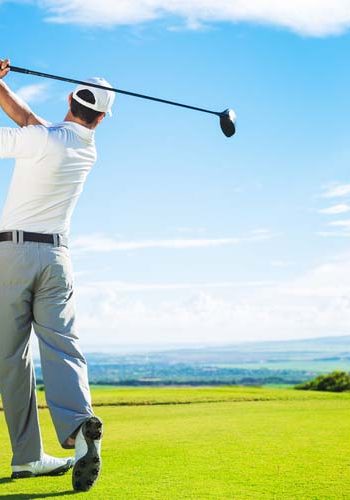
x: 16, y: 69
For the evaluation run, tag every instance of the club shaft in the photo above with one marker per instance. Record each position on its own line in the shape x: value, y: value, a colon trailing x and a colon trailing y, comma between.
x: 16, y: 69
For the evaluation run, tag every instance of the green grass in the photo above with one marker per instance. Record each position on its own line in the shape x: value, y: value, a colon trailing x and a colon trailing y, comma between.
x: 130, y: 396
x: 238, y: 443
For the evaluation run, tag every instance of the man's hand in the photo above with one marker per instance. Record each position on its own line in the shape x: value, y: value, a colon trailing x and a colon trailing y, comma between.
x: 4, y: 67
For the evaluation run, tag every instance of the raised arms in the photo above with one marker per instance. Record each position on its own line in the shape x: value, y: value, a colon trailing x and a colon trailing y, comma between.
x: 14, y: 106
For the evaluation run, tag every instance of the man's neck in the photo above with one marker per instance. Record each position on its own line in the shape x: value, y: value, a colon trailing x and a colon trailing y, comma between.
x: 71, y: 118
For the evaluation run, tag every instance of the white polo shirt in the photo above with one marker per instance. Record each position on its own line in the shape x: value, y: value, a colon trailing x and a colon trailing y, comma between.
x: 52, y: 164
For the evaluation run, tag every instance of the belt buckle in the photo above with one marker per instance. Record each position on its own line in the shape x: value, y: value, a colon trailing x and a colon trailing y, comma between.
x: 56, y: 240
x: 15, y: 236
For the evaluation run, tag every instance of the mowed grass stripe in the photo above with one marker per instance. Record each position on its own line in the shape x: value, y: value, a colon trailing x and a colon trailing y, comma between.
x: 139, y: 396
x: 277, y: 449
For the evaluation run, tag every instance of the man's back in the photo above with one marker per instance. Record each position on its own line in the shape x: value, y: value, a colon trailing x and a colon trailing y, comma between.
x: 52, y: 164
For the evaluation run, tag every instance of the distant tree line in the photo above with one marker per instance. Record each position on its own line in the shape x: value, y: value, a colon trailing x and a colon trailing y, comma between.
x: 336, y: 381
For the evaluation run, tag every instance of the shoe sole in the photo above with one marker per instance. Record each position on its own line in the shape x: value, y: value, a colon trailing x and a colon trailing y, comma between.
x: 87, y: 469
x: 56, y: 472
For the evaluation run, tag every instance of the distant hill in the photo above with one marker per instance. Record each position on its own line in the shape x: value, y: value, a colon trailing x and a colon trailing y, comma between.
x: 247, y: 363
x: 321, y: 343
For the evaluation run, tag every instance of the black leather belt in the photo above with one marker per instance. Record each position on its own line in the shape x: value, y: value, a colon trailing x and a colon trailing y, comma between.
x: 22, y: 236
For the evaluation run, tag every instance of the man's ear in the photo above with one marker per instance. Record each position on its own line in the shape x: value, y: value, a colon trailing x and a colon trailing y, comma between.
x: 100, y: 118
x: 70, y: 97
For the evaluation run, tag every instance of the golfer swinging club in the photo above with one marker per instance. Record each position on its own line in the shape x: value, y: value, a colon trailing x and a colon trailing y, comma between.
x: 36, y: 288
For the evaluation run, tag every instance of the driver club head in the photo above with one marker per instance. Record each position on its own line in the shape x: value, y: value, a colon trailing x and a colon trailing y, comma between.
x: 228, y: 122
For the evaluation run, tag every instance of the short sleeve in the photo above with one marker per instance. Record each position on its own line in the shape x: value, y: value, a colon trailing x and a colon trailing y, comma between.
x: 25, y: 142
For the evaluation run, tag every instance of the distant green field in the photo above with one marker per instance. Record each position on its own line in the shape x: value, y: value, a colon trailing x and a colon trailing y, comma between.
x: 208, y: 443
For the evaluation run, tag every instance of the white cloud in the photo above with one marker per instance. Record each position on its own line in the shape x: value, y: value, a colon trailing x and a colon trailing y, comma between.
x: 336, y: 209
x: 340, y: 223
x: 337, y: 190
x: 334, y: 234
x: 261, y: 232
x: 102, y: 243
x: 37, y: 92
x: 317, y: 303
x: 306, y: 17
x: 343, y: 229
x: 119, y: 286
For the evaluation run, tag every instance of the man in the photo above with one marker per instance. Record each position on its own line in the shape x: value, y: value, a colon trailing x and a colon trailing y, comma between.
x: 36, y: 284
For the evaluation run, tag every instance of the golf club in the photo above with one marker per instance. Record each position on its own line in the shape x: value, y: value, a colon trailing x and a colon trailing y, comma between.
x: 227, y: 117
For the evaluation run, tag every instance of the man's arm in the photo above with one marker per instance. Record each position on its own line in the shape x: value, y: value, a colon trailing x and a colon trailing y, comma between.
x: 12, y: 105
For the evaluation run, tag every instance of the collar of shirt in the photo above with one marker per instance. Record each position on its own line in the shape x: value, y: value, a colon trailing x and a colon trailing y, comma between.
x: 85, y: 133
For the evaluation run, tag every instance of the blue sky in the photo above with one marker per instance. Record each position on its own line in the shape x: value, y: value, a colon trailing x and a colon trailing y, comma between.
x: 182, y: 235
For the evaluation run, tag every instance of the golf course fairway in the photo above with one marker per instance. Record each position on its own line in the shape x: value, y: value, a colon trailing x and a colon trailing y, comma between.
x: 206, y: 443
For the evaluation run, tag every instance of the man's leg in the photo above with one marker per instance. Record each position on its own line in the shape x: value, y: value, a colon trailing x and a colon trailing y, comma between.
x: 63, y: 365
x: 17, y: 381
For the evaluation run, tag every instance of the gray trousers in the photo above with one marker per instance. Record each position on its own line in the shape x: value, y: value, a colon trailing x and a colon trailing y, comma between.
x: 36, y: 289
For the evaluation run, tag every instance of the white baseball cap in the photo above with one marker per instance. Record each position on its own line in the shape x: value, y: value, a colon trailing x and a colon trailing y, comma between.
x: 103, y: 98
